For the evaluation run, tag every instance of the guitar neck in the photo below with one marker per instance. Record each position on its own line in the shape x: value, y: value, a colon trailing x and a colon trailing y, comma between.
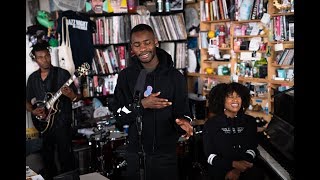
x: 56, y: 96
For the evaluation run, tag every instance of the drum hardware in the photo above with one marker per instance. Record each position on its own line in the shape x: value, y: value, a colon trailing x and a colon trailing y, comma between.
x: 198, y: 159
x: 102, y: 124
x: 122, y: 164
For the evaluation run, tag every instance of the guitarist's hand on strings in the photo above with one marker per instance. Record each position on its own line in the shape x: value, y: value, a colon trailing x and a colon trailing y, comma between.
x: 39, y: 111
x: 67, y: 91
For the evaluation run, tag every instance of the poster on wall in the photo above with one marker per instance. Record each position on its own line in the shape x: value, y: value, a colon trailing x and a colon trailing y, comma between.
x: 96, y: 6
x: 106, y: 6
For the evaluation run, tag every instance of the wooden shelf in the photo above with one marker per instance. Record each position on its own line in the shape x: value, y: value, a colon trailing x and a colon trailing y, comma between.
x: 217, y: 21
x: 220, y: 48
x: 249, y: 36
x: 287, y: 83
x: 224, y: 49
x: 214, y: 76
x: 282, y: 14
x: 220, y: 62
x: 246, y: 21
x: 282, y: 66
x: 251, y: 79
x: 193, y: 74
x: 249, y: 51
x: 257, y: 97
x: 262, y: 114
x: 283, y: 42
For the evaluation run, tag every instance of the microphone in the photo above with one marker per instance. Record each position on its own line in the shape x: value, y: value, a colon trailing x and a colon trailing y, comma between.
x: 138, y: 89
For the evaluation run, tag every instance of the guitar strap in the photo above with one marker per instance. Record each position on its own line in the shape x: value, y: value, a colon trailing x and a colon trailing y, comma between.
x: 54, y: 85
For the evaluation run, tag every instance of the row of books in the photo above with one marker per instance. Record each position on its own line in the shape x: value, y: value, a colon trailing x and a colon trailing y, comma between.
x: 282, y: 28
x: 285, y: 57
x: 112, y: 30
x: 166, y: 27
x: 116, y: 29
x: 235, y: 10
x: 211, y: 10
x: 109, y: 60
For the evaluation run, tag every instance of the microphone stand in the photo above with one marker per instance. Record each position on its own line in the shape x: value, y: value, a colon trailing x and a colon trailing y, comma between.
x: 141, y: 153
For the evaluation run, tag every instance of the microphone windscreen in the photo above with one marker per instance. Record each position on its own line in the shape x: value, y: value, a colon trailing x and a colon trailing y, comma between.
x: 141, y: 81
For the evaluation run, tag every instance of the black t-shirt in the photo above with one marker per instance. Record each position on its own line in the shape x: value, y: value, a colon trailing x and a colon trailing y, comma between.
x: 80, y: 31
x: 37, y: 89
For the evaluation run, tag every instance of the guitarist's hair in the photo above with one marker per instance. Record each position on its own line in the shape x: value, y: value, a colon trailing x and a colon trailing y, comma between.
x: 40, y: 46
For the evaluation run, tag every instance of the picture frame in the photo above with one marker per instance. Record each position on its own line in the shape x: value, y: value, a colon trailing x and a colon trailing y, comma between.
x: 176, y: 5
x: 291, y: 31
x: 90, y: 10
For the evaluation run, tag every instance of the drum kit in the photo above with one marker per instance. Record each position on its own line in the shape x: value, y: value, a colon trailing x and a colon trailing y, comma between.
x: 105, y: 142
x: 108, y: 149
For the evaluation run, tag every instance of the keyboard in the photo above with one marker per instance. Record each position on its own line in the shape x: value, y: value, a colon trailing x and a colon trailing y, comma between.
x: 281, y: 171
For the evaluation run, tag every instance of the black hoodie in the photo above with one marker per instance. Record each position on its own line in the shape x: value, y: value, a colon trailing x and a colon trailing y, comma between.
x: 228, y: 139
x: 160, y: 133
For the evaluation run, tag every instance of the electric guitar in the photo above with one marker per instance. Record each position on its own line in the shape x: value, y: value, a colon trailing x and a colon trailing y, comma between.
x: 51, y: 101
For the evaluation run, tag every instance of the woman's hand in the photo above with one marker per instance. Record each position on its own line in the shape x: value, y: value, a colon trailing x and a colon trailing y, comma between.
x: 242, y: 165
x: 233, y: 174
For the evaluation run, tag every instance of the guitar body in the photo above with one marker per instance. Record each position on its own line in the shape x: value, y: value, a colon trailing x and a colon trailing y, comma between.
x: 42, y: 124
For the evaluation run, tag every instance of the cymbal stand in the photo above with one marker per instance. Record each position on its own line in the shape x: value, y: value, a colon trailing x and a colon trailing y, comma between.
x: 196, y: 164
x: 98, y: 152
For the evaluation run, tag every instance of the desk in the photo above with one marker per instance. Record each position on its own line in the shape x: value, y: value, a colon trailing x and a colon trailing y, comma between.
x: 91, y: 176
x: 31, y: 175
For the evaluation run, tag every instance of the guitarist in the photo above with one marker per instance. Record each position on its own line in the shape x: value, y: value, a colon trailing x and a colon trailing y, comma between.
x: 49, y: 78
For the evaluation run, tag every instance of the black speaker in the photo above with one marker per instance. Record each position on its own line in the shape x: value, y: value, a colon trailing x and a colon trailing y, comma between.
x: 244, y: 45
x: 263, y: 71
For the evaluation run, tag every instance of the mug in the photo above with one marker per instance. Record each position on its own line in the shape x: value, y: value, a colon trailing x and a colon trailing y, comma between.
x: 281, y: 73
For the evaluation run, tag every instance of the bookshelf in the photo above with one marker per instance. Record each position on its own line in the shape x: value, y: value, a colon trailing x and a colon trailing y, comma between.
x: 169, y: 28
x: 253, y: 52
x: 111, y: 42
x: 281, y: 42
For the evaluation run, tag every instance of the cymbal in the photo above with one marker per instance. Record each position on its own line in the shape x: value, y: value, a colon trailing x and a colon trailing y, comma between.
x: 102, y: 118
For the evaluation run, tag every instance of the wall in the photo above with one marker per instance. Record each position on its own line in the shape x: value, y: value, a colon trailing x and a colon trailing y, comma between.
x: 32, y: 6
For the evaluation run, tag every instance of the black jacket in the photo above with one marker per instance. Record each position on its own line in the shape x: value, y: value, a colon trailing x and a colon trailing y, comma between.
x: 228, y: 139
x: 160, y: 132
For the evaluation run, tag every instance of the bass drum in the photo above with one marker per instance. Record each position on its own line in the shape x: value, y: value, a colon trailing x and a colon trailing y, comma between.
x: 112, y: 159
